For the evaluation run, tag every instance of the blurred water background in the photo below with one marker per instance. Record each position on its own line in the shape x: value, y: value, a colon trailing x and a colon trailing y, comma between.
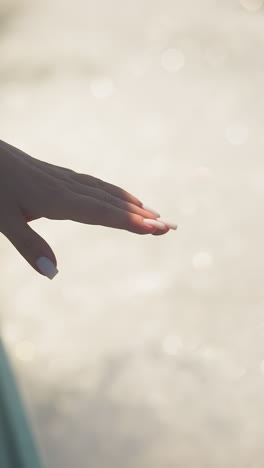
x: 144, y: 351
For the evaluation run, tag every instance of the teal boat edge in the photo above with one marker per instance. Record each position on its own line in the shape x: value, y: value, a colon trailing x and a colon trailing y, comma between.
x: 18, y: 447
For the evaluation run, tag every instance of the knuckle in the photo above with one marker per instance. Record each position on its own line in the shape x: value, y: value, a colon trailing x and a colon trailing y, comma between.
x: 65, y: 175
x: 98, y: 183
x: 57, y: 190
x: 70, y: 184
x: 101, y: 207
x: 102, y: 210
x: 68, y: 172
x: 105, y: 198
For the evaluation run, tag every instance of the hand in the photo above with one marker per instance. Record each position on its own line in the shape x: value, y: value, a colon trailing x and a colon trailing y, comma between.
x: 31, y: 189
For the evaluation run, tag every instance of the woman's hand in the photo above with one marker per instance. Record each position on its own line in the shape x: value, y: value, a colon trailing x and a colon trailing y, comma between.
x: 32, y: 189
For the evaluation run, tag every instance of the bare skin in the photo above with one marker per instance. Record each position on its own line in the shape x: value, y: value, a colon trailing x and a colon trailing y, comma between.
x: 31, y: 189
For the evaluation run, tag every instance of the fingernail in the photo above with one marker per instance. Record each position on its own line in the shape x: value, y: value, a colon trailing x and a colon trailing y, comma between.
x: 147, y: 208
x: 170, y: 225
x: 153, y: 222
x: 47, y: 267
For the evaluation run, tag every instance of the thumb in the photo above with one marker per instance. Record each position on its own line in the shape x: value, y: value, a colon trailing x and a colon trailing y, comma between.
x: 29, y: 244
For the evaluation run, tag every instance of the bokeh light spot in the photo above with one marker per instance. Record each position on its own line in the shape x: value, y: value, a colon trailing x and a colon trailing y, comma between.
x: 149, y: 282
x: 252, y: 5
x: 172, y: 60
x: 25, y: 351
x: 203, y: 172
x: 171, y: 344
x: 102, y: 88
x: 207, y: 352
x: 202, y: 260
x: 261, y: 366
x: 237, y: 133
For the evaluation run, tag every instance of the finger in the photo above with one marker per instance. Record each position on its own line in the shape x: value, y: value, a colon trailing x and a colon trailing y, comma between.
x: 109, y: 198
x: 51, y: 169
x: 29, y: 244
x: 88, y: 210
x: 106, y: 187
x: 85, y: 180
x: 160, y: 232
